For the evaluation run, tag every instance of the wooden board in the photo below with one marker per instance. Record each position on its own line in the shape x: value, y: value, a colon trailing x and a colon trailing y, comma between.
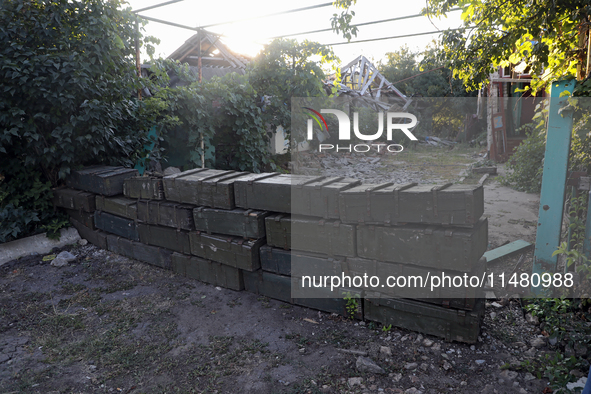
x: 105, y: 180
x: 444, y: 248
x: 207, y: 271
x: 64, y: 197
x: 165, y: 213
x: 329, y: 237
x: 95, y: 237
x: 494, y: 255
x: 450, y: 324
x: 144, y: 187
x: 116, y: 225
x: 120, y: 206
x: 165, y: 237
x: 153, y: 255
x: 246, y: 223
x: 390, y: 204
x: 232, y: 251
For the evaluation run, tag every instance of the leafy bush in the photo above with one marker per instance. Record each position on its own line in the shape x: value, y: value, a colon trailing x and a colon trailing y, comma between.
x: 67, y: 96
x: 527, y: 163
x: 15, y: 221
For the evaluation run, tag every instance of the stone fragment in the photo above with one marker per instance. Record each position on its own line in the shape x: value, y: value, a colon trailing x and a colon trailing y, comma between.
x: 355, y: 381
x: 427, y: 342
x: 508, y: 374
x: 413, y: 390
x: 365, y: 364
x: 531, y: 319
x: 528, y: 376
x: 385, y: 351
x: 411, y: 366
x: 538, y: 343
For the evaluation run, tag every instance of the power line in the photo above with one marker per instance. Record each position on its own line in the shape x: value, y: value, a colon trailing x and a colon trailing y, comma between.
x: 357, y: 25
x: 169, y: 23
x: 156, y: 6
x: 390, y: 38
x: 274, y: 14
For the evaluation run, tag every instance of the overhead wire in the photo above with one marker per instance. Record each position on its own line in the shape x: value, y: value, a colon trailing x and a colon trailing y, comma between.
x: 393, y: 37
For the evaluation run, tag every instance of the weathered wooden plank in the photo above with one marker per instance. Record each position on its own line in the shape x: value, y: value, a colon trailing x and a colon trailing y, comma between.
x: 120, y: 206
x: 165, y: 237
x: 105, y: 180
x: 506, y: 250
x: 232, y: 251
x: 238, y: 222
x: 444, y: 248
x: 64, y: 197
x: 95, y: 237
x: 459, y: 205
x: 450, y: 324
x: 207, y: 271
x: 164, y: 213
x: 148, y: 188
x: 116, y: 225
x: 329, y: 237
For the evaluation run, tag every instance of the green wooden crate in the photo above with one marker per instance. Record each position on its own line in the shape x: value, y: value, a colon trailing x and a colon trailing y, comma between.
x: 86, y: 218
x: 95, y: 237
x: 144, y: 187
x: 232, y: 251
x: 457, y: 205
x: 445, y: 248
x: 153, y: 255
x: 321, y: 197
x: 279, y: 287
x: 217, y: 274
x: 165, y: 237
x: 451, y: 324
x: 116, y: 225
x: 105, y: 180
x: 212, y: 188
x: 329, y: 237
x: 165, y: 213
x: 238, y: 222
x: 120, y: 206
x: 72, y: 199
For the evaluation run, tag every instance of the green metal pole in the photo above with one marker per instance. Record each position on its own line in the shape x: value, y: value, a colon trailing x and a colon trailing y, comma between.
x: 553, y: 181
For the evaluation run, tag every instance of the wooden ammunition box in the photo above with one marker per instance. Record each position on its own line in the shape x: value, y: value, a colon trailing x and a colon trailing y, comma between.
x: 217, y: 274
x: 105, y: 180
x: 64, y: 197
x: 144, y: 187
x: 450, y: 324
x: 239, y: 222
x: 445, y: 248
x: 389, y: 204
x: 153, y: 255
x: 164, y: 213
x: 306, y: 234
x: 95, y: 237
x: 116, y: 225
x: 232, y: 251
x: 120, y: 206
x: 165, y: 237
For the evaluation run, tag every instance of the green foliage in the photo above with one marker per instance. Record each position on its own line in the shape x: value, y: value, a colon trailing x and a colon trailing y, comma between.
x: 556, y: 368
x: 15, y: 221
x: 527, y: 163
x: 387, y: 328
x: 286, y: 69
x: 542, y: 38
x: 341, y: 23
x: 68, y: 84
x: 352, y: 304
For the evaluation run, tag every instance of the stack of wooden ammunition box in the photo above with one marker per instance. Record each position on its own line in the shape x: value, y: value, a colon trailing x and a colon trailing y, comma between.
x: 261, y: 232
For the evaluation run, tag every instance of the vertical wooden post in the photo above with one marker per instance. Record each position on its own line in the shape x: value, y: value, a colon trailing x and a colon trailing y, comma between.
x: 553, y: 181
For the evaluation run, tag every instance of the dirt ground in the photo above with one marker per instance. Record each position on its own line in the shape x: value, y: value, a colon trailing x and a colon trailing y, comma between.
x: 107, y: 324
